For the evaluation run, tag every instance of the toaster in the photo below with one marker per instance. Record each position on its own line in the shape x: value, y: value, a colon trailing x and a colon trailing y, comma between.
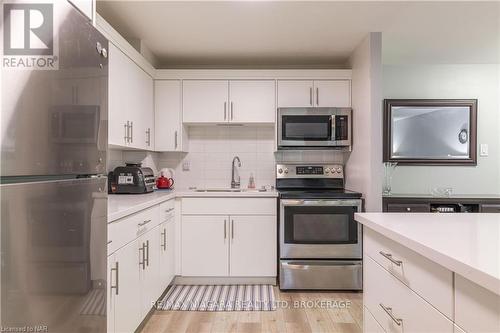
x: 131, y: 179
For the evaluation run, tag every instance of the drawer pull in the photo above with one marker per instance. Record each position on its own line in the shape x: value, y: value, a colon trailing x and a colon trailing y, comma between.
x: 143, y: 223
x: 109, y: 242
x: 169, y: 210
x: 388, y: 310
x: 389, y: 257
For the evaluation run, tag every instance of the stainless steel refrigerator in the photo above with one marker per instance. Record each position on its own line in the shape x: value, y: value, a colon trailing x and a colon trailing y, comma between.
x: 53, y: 184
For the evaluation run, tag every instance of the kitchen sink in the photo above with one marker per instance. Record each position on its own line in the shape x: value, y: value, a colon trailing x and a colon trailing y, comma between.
x: 218, y: 190
x: 230, y: 190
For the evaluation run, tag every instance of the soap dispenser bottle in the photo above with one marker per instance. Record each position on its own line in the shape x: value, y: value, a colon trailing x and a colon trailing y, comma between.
x: 251, y: 181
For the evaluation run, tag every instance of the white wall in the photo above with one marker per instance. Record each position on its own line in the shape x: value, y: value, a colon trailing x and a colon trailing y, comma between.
x: 364, y: 165
x: 479, y: 81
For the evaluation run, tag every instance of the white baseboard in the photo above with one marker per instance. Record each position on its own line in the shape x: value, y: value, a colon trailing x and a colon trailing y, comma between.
x: 224, y: 280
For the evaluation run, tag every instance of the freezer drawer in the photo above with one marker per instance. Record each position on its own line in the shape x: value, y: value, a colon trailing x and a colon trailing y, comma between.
x: 53, y: 250
x: 321, y: 274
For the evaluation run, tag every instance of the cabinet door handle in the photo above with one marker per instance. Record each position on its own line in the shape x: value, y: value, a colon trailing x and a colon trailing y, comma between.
x: 225, y: 113
x: 231, y: 110
x: 147, y: 253
x: 389, y: 257
x: 115, y: 287
x: 317, y: 96
x: 141, y: 254
x: 232, y: 229
x: 148, y: 137
x: 388, y: 310
x: 225, y: 233
x: 143, y: 223
x: 310, y: 95
x: 164, y: 235
x: 125, y: 126
x: 175, y: 139
x: 132, y: 131
x: 110, y: 241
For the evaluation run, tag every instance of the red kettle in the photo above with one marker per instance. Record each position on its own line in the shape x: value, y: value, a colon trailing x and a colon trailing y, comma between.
x: 165, y: 181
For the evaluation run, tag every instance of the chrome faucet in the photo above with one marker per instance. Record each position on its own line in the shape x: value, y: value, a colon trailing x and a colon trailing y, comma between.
x: 235, y: 183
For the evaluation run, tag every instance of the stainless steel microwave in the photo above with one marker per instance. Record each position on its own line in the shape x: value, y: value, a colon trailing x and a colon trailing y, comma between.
x: 314, y: 128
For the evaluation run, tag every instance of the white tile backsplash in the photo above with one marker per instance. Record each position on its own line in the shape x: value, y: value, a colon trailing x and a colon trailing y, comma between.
x: 211, y: 151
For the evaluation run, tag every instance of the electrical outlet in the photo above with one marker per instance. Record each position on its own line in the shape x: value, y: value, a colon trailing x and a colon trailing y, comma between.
x: 483, y: 150
x: 186, y: 166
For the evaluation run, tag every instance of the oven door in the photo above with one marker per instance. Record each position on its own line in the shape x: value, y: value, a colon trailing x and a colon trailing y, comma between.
x: 320, y: 229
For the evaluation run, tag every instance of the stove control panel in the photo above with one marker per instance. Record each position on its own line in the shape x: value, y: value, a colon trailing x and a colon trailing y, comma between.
x: 309, y: 171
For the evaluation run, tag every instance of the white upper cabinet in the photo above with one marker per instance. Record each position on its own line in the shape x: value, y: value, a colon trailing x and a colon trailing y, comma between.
x: 143, y: 111
x: 205, y: 101
x: 332, y: 93
x: 252, y: 101
x: 295, y: 93
x: 168, y: 116
x: 131, y: 114
x: 235, y: 101
x: 317, y: 93
x: 118, y: 102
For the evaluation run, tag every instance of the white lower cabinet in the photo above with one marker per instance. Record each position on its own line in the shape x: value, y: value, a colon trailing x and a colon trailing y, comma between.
x: 149, y: 269
x: 124, y: 291
x: 396, y: 307
x: 205, y: 247
x: 253, y: 246
x: 140, y: 268
x: 229, y: 245
x: 370, y: 324
x: 167, y: 254
x: 476, y: 308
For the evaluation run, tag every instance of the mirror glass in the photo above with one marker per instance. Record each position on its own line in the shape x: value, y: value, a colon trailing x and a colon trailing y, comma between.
x: 430, y: 132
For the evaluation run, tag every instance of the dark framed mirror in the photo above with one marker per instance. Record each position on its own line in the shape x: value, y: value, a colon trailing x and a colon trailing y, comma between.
x: 430, y: 131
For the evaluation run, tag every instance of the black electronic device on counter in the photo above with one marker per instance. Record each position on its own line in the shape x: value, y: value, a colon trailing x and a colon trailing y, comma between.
x: 131, y: 179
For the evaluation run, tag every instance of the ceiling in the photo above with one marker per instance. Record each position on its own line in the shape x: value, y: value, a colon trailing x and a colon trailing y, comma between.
x: 308, y: 33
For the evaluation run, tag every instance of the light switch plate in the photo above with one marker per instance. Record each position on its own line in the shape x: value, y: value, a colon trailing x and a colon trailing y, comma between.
x: 483, y: 149
x: 186, y: 166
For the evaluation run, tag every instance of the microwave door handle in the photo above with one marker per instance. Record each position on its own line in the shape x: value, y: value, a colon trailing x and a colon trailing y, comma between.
x: 332, y: 120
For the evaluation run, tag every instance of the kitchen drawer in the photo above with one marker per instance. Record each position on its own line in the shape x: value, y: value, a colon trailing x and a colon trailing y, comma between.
x: 125, y: 230
x: 428, y: 279
x: 370, y: 324
x: 490, y: 208
x: 167, y: 210
x: 408, y: 208
x: 229, y: 206
x: 476, y: 308
x: 381, y: 289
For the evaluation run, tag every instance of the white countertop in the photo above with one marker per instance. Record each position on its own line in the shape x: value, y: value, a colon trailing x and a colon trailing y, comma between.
x: 243, y: 194
x: 121, y: 205
x: 467, y: 244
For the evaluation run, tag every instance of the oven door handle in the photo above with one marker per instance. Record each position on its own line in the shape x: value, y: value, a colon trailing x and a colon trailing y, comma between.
x: 320, y: 202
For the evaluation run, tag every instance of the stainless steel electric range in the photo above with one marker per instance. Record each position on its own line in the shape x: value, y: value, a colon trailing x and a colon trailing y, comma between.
x: 320, y: 243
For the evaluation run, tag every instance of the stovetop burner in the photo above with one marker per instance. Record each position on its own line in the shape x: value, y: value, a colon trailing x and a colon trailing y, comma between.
x: 319, y: 194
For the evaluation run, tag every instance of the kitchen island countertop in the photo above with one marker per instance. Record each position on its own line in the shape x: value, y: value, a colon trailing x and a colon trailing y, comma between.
x: 467, y: 244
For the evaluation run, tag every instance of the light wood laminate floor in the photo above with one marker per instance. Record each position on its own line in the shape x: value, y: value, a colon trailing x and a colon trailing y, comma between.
x: 291, y: 319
